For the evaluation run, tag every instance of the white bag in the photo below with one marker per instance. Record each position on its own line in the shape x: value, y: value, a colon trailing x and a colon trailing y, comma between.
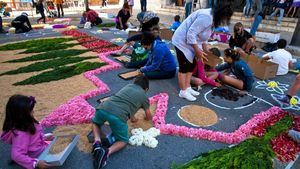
x: 88, y: 25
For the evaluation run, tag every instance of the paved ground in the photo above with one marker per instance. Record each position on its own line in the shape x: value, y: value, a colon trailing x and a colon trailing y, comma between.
x: 171, y: 149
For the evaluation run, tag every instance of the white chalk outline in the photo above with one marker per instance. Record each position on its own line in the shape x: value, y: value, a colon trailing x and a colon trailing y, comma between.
x: 236, y: 108
x: 178, y: 114
x: 280, y: 88
x: 286, y: 106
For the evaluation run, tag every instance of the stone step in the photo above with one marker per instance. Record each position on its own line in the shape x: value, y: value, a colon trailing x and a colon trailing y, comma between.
x: 284, y: 19
x: 267, y: 27
x: 265, y: 21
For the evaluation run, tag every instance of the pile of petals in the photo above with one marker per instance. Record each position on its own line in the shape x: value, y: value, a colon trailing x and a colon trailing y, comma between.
x: 285, y: 147
x: 242, y: 133
x: 78, y: 110
x: 260, y: 129
x: 74, y: 33
x: 107, y: 49
x: 96, y: 44
x: 147, y: 137
x: 86, y: 39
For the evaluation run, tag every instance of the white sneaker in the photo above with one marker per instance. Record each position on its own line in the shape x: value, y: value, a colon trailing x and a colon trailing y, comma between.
x: 186, y: 95
x: 193, y: 92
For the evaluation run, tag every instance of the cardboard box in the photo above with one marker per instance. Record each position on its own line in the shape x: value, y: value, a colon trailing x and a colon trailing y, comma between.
x: 263, y: 36
x: 262, y: 69
x: 213, y: 60
x: 166, y: 34
x: 59, y: 158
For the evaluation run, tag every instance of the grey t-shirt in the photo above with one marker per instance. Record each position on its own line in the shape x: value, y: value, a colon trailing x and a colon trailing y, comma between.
x: 126, y: 102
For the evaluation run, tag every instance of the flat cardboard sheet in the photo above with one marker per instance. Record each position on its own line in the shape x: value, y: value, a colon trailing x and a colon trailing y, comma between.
x: 122, y: 59
x: 129, y: 75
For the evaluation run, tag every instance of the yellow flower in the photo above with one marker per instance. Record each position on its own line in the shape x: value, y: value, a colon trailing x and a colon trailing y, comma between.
x: 272, y: 84
x: 293, y: 101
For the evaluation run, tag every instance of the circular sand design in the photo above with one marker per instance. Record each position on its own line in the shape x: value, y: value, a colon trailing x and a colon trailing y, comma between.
x: 198, y: 116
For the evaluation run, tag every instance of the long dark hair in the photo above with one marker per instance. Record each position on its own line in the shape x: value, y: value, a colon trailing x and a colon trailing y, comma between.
x: 19, y: 114
x: 233, y: 54
x: 222, y: 13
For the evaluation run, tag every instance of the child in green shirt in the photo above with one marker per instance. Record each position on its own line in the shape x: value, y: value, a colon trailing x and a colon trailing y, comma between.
x: 117, y: 110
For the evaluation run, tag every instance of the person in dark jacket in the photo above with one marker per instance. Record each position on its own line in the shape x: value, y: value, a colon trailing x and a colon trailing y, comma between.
x: 40, y: 9
x: 244, y: 76
x: 161, y: 63
x: 241, y: 39
x: 21, y: 23
x: 122, y: 17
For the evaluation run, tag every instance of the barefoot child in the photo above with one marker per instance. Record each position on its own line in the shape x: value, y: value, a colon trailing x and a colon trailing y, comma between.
x: 24, y: 133
x: 117, y: 110
x: 243, y: 79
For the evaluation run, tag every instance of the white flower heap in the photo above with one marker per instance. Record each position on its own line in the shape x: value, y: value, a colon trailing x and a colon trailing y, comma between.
x: 147, y: 137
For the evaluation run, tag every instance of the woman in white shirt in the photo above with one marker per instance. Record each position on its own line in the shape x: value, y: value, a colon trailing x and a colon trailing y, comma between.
x: 190, y: 42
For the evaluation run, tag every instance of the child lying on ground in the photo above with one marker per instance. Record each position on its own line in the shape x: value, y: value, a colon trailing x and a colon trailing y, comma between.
x: 24, y: 132
x: 204, y: 74
x: 117, y: 110
x: 243, y: 79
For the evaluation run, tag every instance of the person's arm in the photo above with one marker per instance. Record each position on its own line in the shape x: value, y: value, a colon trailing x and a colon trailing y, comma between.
x: 266, y: 57
x: 291, y: 65
x: 19, y: 152
x: 205, y: 48
x: 202, y: 76
x: 231, y: 42
x: 157, y: 58
x: 222, y: 67
x: 121, y: 23
x: 28, y: 23
x: 148, y: 115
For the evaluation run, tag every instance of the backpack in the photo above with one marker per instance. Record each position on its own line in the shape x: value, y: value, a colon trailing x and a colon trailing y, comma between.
x: 138, y: 53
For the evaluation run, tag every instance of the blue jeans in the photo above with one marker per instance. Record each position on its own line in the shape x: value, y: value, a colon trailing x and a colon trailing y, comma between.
x: 255, y: 24
x: 160, y: 74
x: 137, y: 64
x: 212, y: 3
x: 280, y: 16
x: 247, y: 8
x: 259, y: 7
x: 188, y: 9
x: 143, y: 5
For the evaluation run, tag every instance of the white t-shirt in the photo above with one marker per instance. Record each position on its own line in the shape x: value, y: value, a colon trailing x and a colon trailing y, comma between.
x: 282, y: 58
x: 195, y: 29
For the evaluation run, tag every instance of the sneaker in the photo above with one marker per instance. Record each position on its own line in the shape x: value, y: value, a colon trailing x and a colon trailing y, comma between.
x: 100, y: 157
x: 283, y: 98
x: 186, y: 95
x: 193, y: 92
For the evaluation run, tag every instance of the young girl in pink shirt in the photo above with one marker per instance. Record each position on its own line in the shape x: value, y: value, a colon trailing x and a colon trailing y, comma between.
x: 24, y: 133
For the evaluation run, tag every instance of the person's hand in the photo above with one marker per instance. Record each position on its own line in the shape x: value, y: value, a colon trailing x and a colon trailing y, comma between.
x: 134, y: 120
x: 201, y: 55
x: 48, y: 137
x: 43, y: 164
x: 218, y: 84
x: 147, y: 118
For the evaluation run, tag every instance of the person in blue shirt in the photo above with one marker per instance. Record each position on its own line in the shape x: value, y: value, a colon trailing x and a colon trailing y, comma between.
x: 161, y: 63
x: 243, y: 79
x: 176, y: 23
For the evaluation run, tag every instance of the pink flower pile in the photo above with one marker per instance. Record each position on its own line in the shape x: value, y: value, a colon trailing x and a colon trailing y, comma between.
x: 74, y: 33
x: 242, y: 133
